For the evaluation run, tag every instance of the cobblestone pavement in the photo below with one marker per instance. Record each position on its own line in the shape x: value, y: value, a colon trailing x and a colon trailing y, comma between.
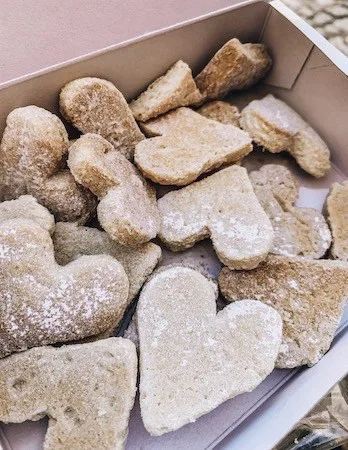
x: 329, y: 17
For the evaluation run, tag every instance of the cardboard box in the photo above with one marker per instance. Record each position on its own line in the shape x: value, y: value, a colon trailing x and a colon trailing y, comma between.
x: 311, y: 76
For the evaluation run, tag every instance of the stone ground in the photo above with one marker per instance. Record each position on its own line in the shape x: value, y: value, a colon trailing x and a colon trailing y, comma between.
x: 329, y: 17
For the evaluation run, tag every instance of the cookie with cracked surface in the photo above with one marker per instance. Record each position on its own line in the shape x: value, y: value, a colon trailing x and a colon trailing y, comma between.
x: 223, y: 207
x: 33, y: 152
x: 87, y: 391
x: 127, y: 209
x: 94, y: 105
x: 308, y: 294
x: 235, y: 66
x: 43, y: 303
x: 212, y: 356
x: 275, y: 126
x: 298, y: 231
x: 175, y: 88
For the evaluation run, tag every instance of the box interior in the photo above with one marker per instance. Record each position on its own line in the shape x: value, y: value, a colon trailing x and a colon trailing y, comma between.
x: 302, y: 76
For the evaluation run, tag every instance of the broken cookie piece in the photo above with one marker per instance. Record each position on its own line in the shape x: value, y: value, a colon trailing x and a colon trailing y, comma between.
x: 87, y: 391
x: 175, y: 88
x: 222, y: 112
x: 298, y: 231
x: 223, y: 207
x: 309, y: 295
x: 127, y: 209
x: 273, y: 125
x: 94, y: 105
x: 235, y: 66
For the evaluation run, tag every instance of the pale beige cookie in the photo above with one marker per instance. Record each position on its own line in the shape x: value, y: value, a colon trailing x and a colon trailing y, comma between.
x: 87, y: 391
x: 43, y: 303
x: 192, y: 359
x: 309, y: 295
x: 222, y: 112
x: 198, y: 145
x: 235, y: 66
x: 27, y: 207
x: 94, y: 105
x: 127, y: 210
x: 175, y: 88
x: 273, y: 125
x: 337, y: 210
x: 72, y: 241
x: 298, y: 231
x: 223, y: 207
x: 33, y: 152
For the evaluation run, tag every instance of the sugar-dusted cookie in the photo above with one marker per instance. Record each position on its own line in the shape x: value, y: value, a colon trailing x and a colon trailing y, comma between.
x: 222, y: 112
x: 72, y: 241
x: 223, y: 207
x: 337, y: 210
x: 273, y: 125
x: 87, y: 391
x: 127, y: 210
x: 175, y: 88
x: 43, y: 303
x: 298, y: 231
x: 196, y: 146
x: 235, y: 66
x: 27, y: 207
x: 192, y: 359
x: 309, y: 295
x: 33, y: 152
x: 94, y: 105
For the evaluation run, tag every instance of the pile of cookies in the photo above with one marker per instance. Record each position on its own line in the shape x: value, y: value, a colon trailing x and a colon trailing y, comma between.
x: 77, y: 220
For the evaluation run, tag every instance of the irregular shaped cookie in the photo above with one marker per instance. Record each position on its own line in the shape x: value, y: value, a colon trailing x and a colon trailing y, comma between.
x: 87, y: 391
x: 309, y: 295
x: 222, y: 112
x: 235, y: 66
x: 94, y: 105
x: 72, y: 241
x: 273, y: 125
x: 298, y: 231
x: 224, y: 208
x: 27, y: 207
x: 127, y: 210
x: 33, y: 151
x: 337, y: 210
x: 175, y: 88
x: 197, y: 146
x: 213, y: 357
x: 43, y: 303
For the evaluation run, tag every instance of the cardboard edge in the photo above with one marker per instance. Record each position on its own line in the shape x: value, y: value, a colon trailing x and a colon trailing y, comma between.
x: 329, y: 50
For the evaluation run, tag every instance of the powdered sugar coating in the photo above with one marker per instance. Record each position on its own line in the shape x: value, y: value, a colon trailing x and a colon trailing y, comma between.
x: 33, y: 151
x: 224, y: 207
x: 43, y: 303
x: 309, y: 295
x: 198, y: 358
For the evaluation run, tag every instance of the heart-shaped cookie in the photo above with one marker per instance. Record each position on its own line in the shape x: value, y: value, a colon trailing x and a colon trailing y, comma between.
x: 192, y: 359
x: 127, y: 210
x: 43, y: 303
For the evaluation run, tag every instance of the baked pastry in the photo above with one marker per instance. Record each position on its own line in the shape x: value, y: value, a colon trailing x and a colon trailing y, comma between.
x: 87, y: 391
x: 223, y: 207
x: 309, y: 295
x: 192, y: 359
x: 337, y: 210
x: 220, y: 111
x: 273, y: 125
